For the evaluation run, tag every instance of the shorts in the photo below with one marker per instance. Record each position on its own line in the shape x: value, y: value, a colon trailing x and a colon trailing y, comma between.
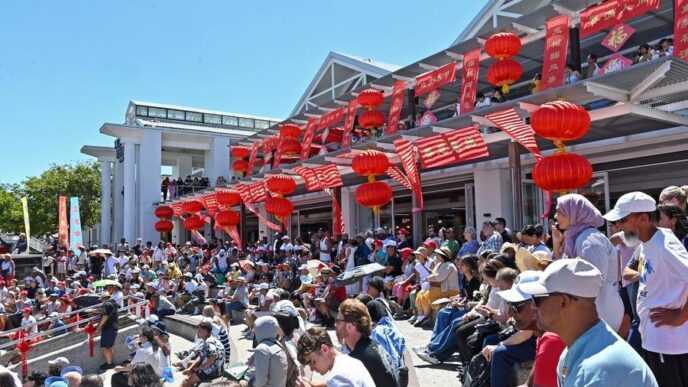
x: 205, y: 378
x: 108, y: 337
x: 234, y: 305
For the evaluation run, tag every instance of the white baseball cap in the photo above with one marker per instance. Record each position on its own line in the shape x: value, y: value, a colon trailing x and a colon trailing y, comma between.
x: 630, y: 203
x: 515, y: 294
x: 576, y: 277
x: 389, y: 243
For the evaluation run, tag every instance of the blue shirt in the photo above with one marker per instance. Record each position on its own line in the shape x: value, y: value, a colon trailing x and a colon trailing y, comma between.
x: 387, y: 337
x: 601, y: 358
x: 470, y: 247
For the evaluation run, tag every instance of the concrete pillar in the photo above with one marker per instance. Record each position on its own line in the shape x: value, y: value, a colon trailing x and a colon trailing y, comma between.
x: 118, y: 203
x: 217, y: 160
x: 149, y: 183
x: 129, y: 200
x: 262, y: 228
x: 105, y: 201
x: 492, y: 194
x: 184, y: 166
x: 349, y: 212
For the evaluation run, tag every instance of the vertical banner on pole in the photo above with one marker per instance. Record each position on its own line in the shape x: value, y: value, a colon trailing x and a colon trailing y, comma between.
x: 75, y: 237
x: 27, y: 224
x: 349, y: 122
x: 308, y: 135
x: 62, y: 231
x: 556, y: 48
x: 469, y: 86
x: 398, y: 92
x: 681, y: 29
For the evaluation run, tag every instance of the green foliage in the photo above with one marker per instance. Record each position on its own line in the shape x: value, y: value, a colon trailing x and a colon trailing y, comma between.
x: 80, y: 179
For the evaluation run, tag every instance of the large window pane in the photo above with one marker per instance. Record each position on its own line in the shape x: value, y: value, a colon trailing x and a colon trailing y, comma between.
x: 142, y: 111
x: 246, y: 122
x: 175, y: 115
x: 195, y: 117
x: 157, y: 112
x: 260, y: 124
x: 212, y: 118
x: 230, y: 120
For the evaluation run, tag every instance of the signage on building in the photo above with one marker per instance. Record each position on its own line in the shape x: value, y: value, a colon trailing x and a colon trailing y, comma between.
x: 556, y: 48
x: 432, y: 80
x: 469, y: 87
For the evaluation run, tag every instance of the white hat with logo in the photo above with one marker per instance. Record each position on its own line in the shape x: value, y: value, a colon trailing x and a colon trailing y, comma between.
x: 632, y: 202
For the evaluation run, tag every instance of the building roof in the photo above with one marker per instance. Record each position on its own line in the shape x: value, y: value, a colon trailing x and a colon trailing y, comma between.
x: 198, y: 110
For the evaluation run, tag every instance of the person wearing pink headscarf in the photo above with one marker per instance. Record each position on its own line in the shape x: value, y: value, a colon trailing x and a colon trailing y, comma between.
x: 579, y: 220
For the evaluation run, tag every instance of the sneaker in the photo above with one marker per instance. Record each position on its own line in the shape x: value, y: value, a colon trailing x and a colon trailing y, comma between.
x: 419, y: 321
x: 420, y: 349
x: 428, y: 358
x: 412, y: 319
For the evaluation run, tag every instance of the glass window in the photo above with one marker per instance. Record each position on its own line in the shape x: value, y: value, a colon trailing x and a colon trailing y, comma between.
x: 175, y: 115
x: 229, y: 120
x: 157, y: 112
x: 141, y: 110
x: 196, y: 117
x: 212, y: 118
x: 246, y: 122
x: 260, y: 124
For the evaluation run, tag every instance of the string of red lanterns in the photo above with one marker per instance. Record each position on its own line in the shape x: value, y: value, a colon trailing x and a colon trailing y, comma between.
x: 240, y: 155
x: 278, y: 206
x: 504, y: 71
x: 373, y: 194
x: 371, y: 119
x: 165, y: 213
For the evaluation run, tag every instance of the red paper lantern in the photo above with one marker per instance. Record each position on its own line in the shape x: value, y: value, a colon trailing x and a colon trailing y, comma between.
x: 370, y: 98
x: 560, y: 121
x: 373, y: 194
x: 332, y: 135
x: 164, y: 212
x: 279, y: 207
x: 504, y: 73
x: 290, y: 131
x: 280, y: 184
x: 240, y: 152
x: 194, y: 222
x: 164, y: 226
x: 371, y: 119
x: 290, y: 147
x: 240, y: 166
x: 562, y: 172
x: 227, y: 198
x: 503, y: 45
x: 192, y: 206
x: 370, y: 163
x: 227, y: 218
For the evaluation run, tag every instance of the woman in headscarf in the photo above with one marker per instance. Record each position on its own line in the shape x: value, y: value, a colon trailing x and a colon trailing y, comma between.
x: 579, y: 220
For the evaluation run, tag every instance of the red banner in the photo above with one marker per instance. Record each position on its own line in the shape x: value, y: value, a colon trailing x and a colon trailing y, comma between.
x: 398, y: 93
x: 469, y: 87
x: 337, y: 218
x: 556, y: 48
x: 630, y: 9
x: 331, y: 118
x: 252, y: 157
x: 63, y: 228
x: 349, y: 122
x: 681, y: 29
x: 612, y: 12
x: 407, y: 154
x: 452, y: 147
x: 308, y: 135
x: 617, y: 37
x: 431, y: 80
x: 512, y: 124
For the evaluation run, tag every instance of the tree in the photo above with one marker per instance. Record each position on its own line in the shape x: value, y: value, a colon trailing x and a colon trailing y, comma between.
x: 80, y: 179
x: 11, y: 213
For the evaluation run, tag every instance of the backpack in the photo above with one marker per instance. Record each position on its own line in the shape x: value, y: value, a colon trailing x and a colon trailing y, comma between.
x: 478, y: 372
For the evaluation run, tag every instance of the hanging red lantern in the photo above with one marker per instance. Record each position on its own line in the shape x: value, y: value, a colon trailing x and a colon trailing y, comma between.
x: 371, y: 119
x: 290, y: 147
x: 280, y: 184
x: 240, y: 152
x: 192, y: 206
x: 290, y: 131
x: 332, y: 135
x: 370, y: 163
x: 503, y: 45
x: 164, y: 212
x: 193, y: 222
x: 164, y: 226
x: 227, y: 218
x: 562, y: 172
x: 279, y: 207
x: 240, y: 166
x: 373, y: 194
x: 560, y: 121
x: 228, y: 198
x: 370, y: 98
x: 504, y: 73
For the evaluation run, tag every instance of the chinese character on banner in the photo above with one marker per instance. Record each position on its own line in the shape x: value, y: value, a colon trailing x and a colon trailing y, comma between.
x: 612, y: 12
x: 617, y: 37
x: 681, y: 29
x: 617, y: 62
x: 556, y: 48
x: 470, y: 73
x: 431, y: 80
x: 398, y: 91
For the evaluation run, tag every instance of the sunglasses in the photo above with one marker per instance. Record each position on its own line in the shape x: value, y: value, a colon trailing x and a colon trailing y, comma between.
x: 519, y: 306
x: 538, y: 300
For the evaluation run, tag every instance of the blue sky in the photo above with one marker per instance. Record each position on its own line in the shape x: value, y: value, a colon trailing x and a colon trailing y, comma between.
x: 66, y: 67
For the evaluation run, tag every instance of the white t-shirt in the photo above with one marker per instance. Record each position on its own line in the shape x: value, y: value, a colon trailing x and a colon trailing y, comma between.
x: 324, y: 252
x: 146, y: 355
x: 26, y: 322
x: 110, y: 266
x: 348, y: 372
x: 663, y: 268
x: 423, y: 271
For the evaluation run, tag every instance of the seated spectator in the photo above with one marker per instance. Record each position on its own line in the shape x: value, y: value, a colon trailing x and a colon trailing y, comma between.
x: 210, y: 358
x: 385, y: 333
x: 148, y: 352
x: 471, y: 244
x: 532, y: 237
x: 444, y: 282
x: 143, y: 375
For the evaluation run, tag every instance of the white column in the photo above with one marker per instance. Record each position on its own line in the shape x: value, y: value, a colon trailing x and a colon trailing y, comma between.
x: 349, y: 212
x: 118, y: 202
x: 129, y: 199
x: 492, y: 194
x: 105, y: 201
x: 150, y: 159
x: 217, y: 159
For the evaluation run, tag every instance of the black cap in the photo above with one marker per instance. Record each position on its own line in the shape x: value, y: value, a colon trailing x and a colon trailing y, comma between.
x: 378, y: 283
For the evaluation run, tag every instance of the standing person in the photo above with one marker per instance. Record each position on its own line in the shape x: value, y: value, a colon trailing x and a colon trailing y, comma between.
x: 108, y: 331
x: 270, y: 357
x: 593, y: 69
x: 316, y: 350
x: 503, y: 230
x: 673, y: 218
x: 662, y: 302
x: 674, y: 195
x: 493, y: 239
x: 325, y: 247
x: 163, y: 187
x: 579, y: 220
x: 595, y: 355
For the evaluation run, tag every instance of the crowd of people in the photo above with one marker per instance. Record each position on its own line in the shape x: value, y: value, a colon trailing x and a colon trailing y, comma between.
x: 172, y: 188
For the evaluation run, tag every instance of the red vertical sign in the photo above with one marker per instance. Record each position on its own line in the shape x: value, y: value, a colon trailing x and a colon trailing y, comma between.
x: 308, y: 134
x: 556, y: 48
x: 470, y: 73
x: 398, y: 92
x: 252, y: 157
x: 63, y: 229
x: 349, y: 122
x: 681, y: 29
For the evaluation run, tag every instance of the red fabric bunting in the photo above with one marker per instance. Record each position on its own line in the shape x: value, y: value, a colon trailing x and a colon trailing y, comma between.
x: 512, y: 124
x: 210, y: 203
x: 470, y: 72
x: 308, y: 135
x: 318, y: 178
x: 407, y: 154
x: 435, y: 151
x: 556, y: 48
x: 431, y: 80
x: 398, y: 93
x: 349, y: 122
x: 331, y: 118
x: 252, y: 157
x: 452, y: 147
x: 398, y: 176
